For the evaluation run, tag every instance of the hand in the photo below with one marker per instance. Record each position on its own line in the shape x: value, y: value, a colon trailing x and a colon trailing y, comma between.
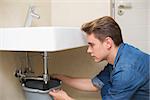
x: 59, y: 95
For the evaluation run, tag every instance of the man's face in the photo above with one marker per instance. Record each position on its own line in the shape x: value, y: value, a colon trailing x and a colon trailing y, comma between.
x: 96, y: 48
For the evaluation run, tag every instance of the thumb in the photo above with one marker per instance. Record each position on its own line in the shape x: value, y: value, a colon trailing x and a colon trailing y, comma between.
x: 52, y: 92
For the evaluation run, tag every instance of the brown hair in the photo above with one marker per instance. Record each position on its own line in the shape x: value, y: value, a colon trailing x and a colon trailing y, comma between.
x: 102, y: 28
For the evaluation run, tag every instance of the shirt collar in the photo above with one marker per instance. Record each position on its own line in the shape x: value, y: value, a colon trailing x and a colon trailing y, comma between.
x: 118, y: 54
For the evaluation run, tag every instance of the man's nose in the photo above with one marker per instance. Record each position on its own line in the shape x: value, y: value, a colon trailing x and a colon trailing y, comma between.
x: 89, y: 50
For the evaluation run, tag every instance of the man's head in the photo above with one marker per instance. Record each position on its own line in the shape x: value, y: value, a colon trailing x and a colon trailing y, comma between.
x: 103, y: 35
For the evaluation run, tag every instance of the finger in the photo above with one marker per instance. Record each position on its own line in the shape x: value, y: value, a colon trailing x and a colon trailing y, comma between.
x: 53, y: 90
x: 52, y: 93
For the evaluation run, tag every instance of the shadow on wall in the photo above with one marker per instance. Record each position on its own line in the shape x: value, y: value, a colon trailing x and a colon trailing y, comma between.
x: 9, y: 85
x: 73, y: 62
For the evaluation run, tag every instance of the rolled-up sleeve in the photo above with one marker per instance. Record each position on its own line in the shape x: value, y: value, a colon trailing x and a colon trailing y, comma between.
x: 97, y: 82
x: 103, y: 77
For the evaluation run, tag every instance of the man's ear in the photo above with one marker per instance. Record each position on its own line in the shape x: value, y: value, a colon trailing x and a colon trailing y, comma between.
x: 108, y: 42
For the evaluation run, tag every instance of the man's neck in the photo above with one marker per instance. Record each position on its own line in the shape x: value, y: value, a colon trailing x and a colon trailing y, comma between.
x: 112, y: 55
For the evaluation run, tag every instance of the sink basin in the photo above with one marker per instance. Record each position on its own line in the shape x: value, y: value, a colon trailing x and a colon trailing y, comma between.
x: 41, y: 38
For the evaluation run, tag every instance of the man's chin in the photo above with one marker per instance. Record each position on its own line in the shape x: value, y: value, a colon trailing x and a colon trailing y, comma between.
x: 96, y: 60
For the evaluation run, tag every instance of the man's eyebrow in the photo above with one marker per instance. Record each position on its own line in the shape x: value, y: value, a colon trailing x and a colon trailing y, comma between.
x: 90, y: 43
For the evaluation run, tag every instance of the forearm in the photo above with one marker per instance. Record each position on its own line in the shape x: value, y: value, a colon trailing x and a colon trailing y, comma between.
x: 78, y: 83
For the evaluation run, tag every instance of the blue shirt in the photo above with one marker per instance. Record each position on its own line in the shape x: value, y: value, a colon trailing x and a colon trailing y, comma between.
x: 128, y: 78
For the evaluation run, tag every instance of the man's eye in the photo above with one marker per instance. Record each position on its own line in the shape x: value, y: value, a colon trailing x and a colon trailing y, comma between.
x: 91, y: 45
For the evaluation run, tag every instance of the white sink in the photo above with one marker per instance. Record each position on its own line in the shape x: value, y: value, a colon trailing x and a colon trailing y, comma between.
x: 41, y: 38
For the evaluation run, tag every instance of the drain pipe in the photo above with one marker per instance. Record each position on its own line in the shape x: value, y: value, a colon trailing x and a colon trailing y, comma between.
x: 45, y: 69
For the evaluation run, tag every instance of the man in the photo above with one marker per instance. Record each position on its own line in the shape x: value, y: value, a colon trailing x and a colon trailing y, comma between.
x: 126, y: 76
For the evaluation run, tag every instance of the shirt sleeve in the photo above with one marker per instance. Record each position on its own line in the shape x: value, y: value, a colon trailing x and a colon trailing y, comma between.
x: 124, y: 84
x: 103, y: 77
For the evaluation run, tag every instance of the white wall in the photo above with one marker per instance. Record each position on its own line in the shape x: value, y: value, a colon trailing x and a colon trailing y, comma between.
x: 76, y: 12
x: 13, y: 12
